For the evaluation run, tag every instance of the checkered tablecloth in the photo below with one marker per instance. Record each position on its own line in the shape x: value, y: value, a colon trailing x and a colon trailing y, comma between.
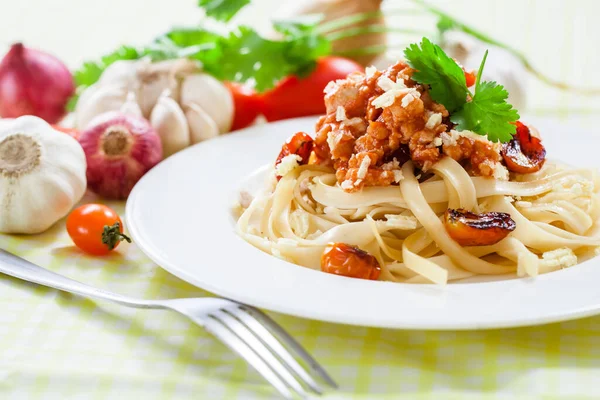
x: 58, y: 346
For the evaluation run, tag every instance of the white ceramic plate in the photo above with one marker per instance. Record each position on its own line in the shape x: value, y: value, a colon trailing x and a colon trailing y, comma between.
x: 179, y: 214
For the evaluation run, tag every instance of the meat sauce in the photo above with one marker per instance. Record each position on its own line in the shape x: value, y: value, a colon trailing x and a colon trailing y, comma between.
x: 356, y: 128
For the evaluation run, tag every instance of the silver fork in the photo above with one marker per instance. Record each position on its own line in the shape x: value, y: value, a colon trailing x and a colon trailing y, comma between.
x: 244, y: 329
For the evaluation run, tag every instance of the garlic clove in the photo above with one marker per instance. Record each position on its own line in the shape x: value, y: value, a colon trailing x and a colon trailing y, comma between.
x: 131, y: 106
x: 156, y: 78
x: 103, y: 99
x: 212, y: 96
x: 169, y: 121
x: 122, y: 73
x: 201, y: 125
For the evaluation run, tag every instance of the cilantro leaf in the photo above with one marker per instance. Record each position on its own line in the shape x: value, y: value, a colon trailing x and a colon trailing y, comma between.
x: 303, y: 44
x: 196, y: 43
x: 488, y: 113
x: 222, y: 10
x: 434, y: 67
x: 248, y: 57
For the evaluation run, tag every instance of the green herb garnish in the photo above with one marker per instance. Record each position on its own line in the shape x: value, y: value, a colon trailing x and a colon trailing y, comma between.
x: 222, y: 10
x: 485, y: 112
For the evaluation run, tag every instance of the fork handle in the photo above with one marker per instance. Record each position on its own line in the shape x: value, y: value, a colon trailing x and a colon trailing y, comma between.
x: 20, y: 268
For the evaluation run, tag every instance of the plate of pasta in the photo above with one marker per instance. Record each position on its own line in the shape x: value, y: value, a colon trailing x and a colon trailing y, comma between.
x: 420, y: 200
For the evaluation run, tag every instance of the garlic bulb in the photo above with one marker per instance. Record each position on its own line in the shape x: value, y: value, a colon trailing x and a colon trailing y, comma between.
x: 183, y: 105
x: 501, y: 66
x: 42, y: 175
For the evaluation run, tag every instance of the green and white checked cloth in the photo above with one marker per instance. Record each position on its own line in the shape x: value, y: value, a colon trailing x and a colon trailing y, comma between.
x: 58, y: 346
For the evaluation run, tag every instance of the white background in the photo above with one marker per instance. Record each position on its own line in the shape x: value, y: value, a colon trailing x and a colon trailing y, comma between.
x: 561, y: 37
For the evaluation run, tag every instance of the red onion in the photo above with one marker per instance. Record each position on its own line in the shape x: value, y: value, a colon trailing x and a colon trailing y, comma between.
x: 34, y: 83
x: 119, y: 149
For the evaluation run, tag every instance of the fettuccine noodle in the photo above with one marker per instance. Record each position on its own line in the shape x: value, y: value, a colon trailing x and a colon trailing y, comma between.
x: 556, y: 213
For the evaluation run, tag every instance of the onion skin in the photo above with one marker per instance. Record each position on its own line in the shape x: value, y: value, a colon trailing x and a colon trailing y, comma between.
x: 34, y: 83
x: 119, y: 150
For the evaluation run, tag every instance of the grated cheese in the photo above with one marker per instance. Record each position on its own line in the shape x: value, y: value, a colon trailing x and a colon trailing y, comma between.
x: 330, y: 87
x: 450, y: 138
x: 392, y: 165
x: 437, y: 142
x: 472, y: 135
x: 559, y: 258
x: 500, y: 172
x: 352, y: 122
x: 333, y: 138
x: 364, y: 167
x: 340, y: 114
x: 370, y: 71
x: 409, y: 98
x: 288, y: 164
x: 434, y: 120
x: 401, y: 221
x: 398, y: 176
x: 347, y: 184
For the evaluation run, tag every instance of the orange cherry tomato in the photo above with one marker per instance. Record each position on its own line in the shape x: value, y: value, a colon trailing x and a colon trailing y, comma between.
x: 343, y: 259
x: 525, y: 153
x: 300, y: 144
x: 95, y: 229
x: 247, y: 105
x: 470, y: 229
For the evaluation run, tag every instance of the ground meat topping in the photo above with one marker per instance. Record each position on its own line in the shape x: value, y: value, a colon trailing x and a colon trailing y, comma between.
x: 383, y: 116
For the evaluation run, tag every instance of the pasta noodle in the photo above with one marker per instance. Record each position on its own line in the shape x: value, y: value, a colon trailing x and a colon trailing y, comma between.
x: 556, y: 213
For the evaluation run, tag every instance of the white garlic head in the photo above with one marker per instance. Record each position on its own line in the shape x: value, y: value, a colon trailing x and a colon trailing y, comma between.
x: 42, y: 175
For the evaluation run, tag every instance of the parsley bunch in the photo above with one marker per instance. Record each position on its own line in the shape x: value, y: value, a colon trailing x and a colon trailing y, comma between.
x: 240, y: 55
x: 485, y: 112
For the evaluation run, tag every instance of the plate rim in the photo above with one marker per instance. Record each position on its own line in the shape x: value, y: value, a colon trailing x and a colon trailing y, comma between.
x: 139, y: 238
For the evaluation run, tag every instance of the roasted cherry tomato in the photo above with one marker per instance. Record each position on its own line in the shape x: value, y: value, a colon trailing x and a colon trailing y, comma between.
x: 298, y: 97
x: 74, y: 133
x: 246, y: 105
x: 470, y: 229
x: 346, y: 260
x: 525, y: 153
x: 300, y: 144
x: 95, y: 228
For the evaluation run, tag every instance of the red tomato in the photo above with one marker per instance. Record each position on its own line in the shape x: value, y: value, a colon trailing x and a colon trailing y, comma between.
x: 246, y: 105
x: 300, y: 144
x: 95, y: 228
x: 294, y: 97
x: 470, y: 77
x: 74, y: 133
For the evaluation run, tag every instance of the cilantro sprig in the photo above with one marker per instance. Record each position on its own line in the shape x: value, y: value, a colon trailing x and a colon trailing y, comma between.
x: 488, y: 112
x: 222, y: 10
x: 238, y: 55
x: 485, y: 112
